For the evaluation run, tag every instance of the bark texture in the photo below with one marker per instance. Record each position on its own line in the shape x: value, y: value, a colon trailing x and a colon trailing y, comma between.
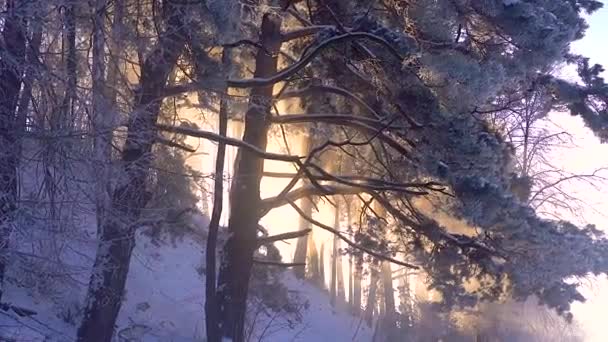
x: 117, y: 234
x: 12, y: 60
x: 245, y: 201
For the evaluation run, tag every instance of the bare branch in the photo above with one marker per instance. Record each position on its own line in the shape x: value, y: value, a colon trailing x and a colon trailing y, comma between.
x: 228, y: 141
x: 170, y: 143
x: 281, y: 264
x: 343, y: 92
x: 348, y: 120
x: 348, y: 241
x: 304, y: 32
x: 284, y: 236
x: 218, y: 84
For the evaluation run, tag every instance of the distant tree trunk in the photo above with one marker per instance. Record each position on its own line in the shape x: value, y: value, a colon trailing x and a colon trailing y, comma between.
x: 387, y: 275
x: 405, y: 301
x: 387, y: 285
x: 322, y: 266
x: 116, y: 47
x: 302, y: 245
x: 11, y: 69
x: 371, y: 298
x: 313, y: 259
x: 31, y: 68
x: 245, y: 199
x: 117, y: 237
x: 351, y: 277
x: 333, y: 262
x: 66, y: 116
x: 303, y: 249
x: 337, y: 292
x: 340, y: 291
x: 357, y: 275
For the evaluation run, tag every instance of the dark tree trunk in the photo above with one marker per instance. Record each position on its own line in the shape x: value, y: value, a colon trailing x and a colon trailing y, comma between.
x: 371, y: 298
x: 358, y: 270
x: 66, y: 115
x: 335, y: 271
x: 302, y: 246
x: 341, y: 296
x: 117, y: 237
x: 389, y: 293
x: 313, y: 258
x: 11, y: 69
x: 351, y: 278
x: 245, y: 200
x: 30, y: 72
x: 322, y: 266
x: 211, y: 318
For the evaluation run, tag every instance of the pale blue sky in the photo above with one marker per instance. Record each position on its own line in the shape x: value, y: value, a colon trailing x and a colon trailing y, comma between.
x: 595, y: 43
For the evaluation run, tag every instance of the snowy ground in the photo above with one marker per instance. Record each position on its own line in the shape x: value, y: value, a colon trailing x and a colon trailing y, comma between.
x: 164, y: 302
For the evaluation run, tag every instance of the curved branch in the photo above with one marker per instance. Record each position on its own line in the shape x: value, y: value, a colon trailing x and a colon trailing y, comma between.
x: 345, y: 93
x: 228, y: 141
x: 218, y: 84
x: 304, y: 32
x: 353, y: 121
x: 334, y: 118
x: 348, y: 241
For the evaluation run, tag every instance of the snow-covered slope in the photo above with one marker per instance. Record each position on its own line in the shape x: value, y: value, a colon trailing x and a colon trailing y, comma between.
x: 164, y: 302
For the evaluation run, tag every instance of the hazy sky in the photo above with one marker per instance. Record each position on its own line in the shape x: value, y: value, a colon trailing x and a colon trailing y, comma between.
x: 590, y: 155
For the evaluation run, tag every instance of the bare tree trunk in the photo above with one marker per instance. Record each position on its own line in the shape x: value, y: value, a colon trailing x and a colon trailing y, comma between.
x: 371, y: 298
x: 245, y: 200
x: 302, y: 245
x: 67, y: 111
x: 322, y: 266
x: 334, y: 258
x: 313, y: 259
x: 117, y: 237
x: 101, y: 115
x: 341, y: 296
x: 306, y: 204
x: 116, y: 51
x: 32, y: 66
x: 11, y: 69
x: 405, y: 301
x: 351, y: 278
x: 211, y: 317
x: 357, y: 275
x: 389, y: 292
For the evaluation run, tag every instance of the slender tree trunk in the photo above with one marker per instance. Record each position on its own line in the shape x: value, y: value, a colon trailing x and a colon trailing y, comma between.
x: 245, y: 199
x: 405, y: 300
x: 66, y: 118
x: 341, y: 296
x: 313, y: 259
x: 322, y: 266
x: 101, y: 115
x: 211, y: 318
x: 371, y: 298
x: 357, y: 285
x: 11, y: 69
x: 358, y: 272
x: 32, y: 66
x: 116, y: 51
x: 351, y: 278
x: 117, y: 235
x: 387, y: 285
x: 302, y: 246
x: 334, y: 265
